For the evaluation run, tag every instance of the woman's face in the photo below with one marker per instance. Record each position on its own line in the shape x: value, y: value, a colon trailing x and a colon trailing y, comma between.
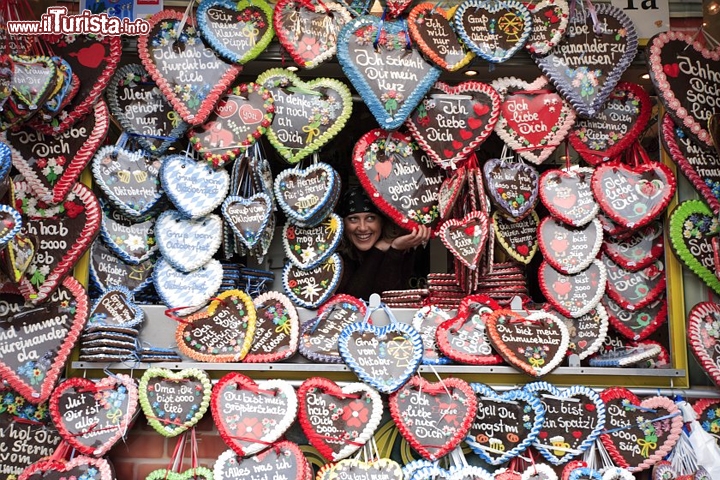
x: 363, y: 229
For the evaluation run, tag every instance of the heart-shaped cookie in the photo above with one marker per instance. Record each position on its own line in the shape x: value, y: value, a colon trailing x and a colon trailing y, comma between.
x: 635, y: 354
x: 276, y: 329
x: 304, y: 194
x: 568, y: 196
x: 633, y: 196
x: 284, y: 459
x: 10, y: 224
x: 383, y: 357
x: 308, y: 247
x: 426, y: 321
x: 420, y: 407
x: 338, y: 421
x: 398, y: 177
x: 35, y: 79
x: 518, y: 239
x: 614, y: 128
x: 239, y: 119
x: 237, y: 31
x: 39, y: 340
x: 107, y: 271
x: 697, y: 161
x: 129, y: 179
x: 684, y: 73
x: 181, y: 62
x: 52, y: 164
x: 307, y: 114
x: 188, y: 244
x: 248, y: 216
x: 587, y: 65
x: 195, y: 188
x: 535, y: 344
x: 133, y: 242
x: 494, y: 31
x: 251, y: 416
x: 93, y: 416
x: 573, y: 295
x: 222, y: 333
x: 704, y: 337
x: 534, y: 121
x: 309, y: 31
x: 192, y: 290
x: 637, y: 251
x: 310, y: 288
x: 432, y: 31
x: 637, y: 324
x: 450, y: 190
x: 505, y: 425
x: 634, y: 439
x: 196, y: 473
x: 80, y: 466
x: 62, y: 232
x: 17, y: 256
x: 115, y: 308
x: 452, y: 122
x: 634, y: 290
x: 574, y: 417
x: 587, y: 332
x: 141, y: 108
x: 174, y: 402
x: 512, y: 186
x: 319, y: 335
x: 387, y: 70
x: 569, y: 250
x: 378, y: 468
x: 465, y: 238
x: 708, y: 416
x: 549, y: 22
x: 464, y: 338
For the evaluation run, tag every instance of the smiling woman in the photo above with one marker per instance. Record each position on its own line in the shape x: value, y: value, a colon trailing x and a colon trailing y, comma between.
x: 374, y: 259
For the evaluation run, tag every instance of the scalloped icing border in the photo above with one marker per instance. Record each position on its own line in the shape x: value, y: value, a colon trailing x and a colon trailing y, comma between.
x: 197, y: 473
x: 15, y: 229
x: 208, y: 103
x: 329, y: 387
x: 573, y: 171
x: 484, y: 225
x: 511, y: 138
x: 187, y: 205
x: 49, y: 465
x: 122, y: 426
x: 75, y: 166
x: 590, y: 256
x: 163, y: 373
x: 426, y: 49
x: 469, y: 149
x: 111, y: 94
x: 526, y: 259
x: 502, y: 204
x: 242, y: 382
x: 245, y: 201
x: 540, y: 470
x: 624, y: 358
x: 117, y: 250
x: 294, y: 336
x: 46, y: 62
x: 334, y: 243
x: 659, y: 79
x: 321, y: 205
x: 206, y: 293
x: 293, y: 156
x: 508, y: 396
x: 328, y: 7
x: 218, y: 45
x: 493, y: 6
x: 585, y: 473
x: 594, y: 301
x: 469, y: 471
x: 537, y: 388
x: 129, y: 298
x: 280, y: 447
x: 695, y: 319
x: 248, y: 333
x: 702, y: 404
x: 417, y: 322
x: 193, y: 258
x: 335, y: 260
x: 388, y: 122
x: 616, y: 473
x: 543, y: 47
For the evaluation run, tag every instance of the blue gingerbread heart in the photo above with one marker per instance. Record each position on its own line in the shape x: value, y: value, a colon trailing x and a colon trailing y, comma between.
x: 116, y: 308
x: 188, y: 244
x: 10, y: 224
x: 193, y: 187
x: 133, y: 240
x: 248, y: 216
x: 306, y: 195
x: 188, y: 292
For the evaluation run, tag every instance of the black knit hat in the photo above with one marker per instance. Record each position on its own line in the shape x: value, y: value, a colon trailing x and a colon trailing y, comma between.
x: 356, y: 201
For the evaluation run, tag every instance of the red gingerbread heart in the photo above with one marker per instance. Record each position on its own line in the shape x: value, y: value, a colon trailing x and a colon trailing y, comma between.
x: 704, y: 337
x: 464, y: 338
x: 465, y: 238
x: 573, y: 295
x: 567, y: 195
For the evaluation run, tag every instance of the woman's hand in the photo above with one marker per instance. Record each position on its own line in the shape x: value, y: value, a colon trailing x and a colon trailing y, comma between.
x: 419, y: 236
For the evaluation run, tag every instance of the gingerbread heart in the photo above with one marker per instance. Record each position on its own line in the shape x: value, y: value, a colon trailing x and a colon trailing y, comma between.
x: 52, y: 164
x: 708, y: 416
x: 390, y: 74
x: 39, y: 340
x: 107, y: 270
x: 93, y: 416
x: 587, y: 332
x: 250, y: 416
x: 35, y: 79
x: 10, y: 225
x: 79, y: 467
x: 569, y: 250
x: 568, y: 196
x: 535, y: 344
x: 637, y: 251
x: 307, y: 114
x: 684, y: 72
x: 505, y: 425
x: 222, y: 333
x: 512, y: 186
x: 533, y: 120
x: 640, y: 323
x: 188, y: 244
x: 276, y: 329
x: 319, y: 335
x: 305, y: 193
x: 181, y: 62
x: 186, y: 292
x: 449, y: 192
x: 193, y: 187
x: 392, y: 170
x: 452, y: 122
x: 330, y: 415
x: 248, y: 216
x: 614, y: 128
x: 633, y: 423
x: 645, y: 354
x: 196, y: 473
x: 426, y: 321
x: 449, y: 406
x: 133, y: 242
x: 633, y: 196
x: 174, y: 402
x: 17, y: 256
x: 704, y: 337
x: 63, y: 232
x: 308, y: 247
x: 518, y: 239
x: 432, y: 31
x: 574, y: 417
x: 379, y: 468
x: 465, y: 238
x: 549, y: 22
x: 285, y: 460
x: 573, y: 295
x: 115, y: 308
x: 311, y: 288
x: 634, y: 290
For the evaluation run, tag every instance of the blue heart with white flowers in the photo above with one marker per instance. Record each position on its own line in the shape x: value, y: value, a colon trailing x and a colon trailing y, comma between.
x: 493, y: 29
x: 193, y: 187
x: 505, y: 424
x: 248, y: 216
x: 312, y: 287
x: 574, y: 418
x: 10, y: 224
x: 116, y: 307
x: 185, y: 243
x: 189, y: 290
x: 383, y: 357
x: 393, y: 78
x: 303, y: 193
x: 132, y: 240
x: 129, y: 179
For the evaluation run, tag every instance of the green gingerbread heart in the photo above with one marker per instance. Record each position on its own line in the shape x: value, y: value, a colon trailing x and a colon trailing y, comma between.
x: 198, y: 473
